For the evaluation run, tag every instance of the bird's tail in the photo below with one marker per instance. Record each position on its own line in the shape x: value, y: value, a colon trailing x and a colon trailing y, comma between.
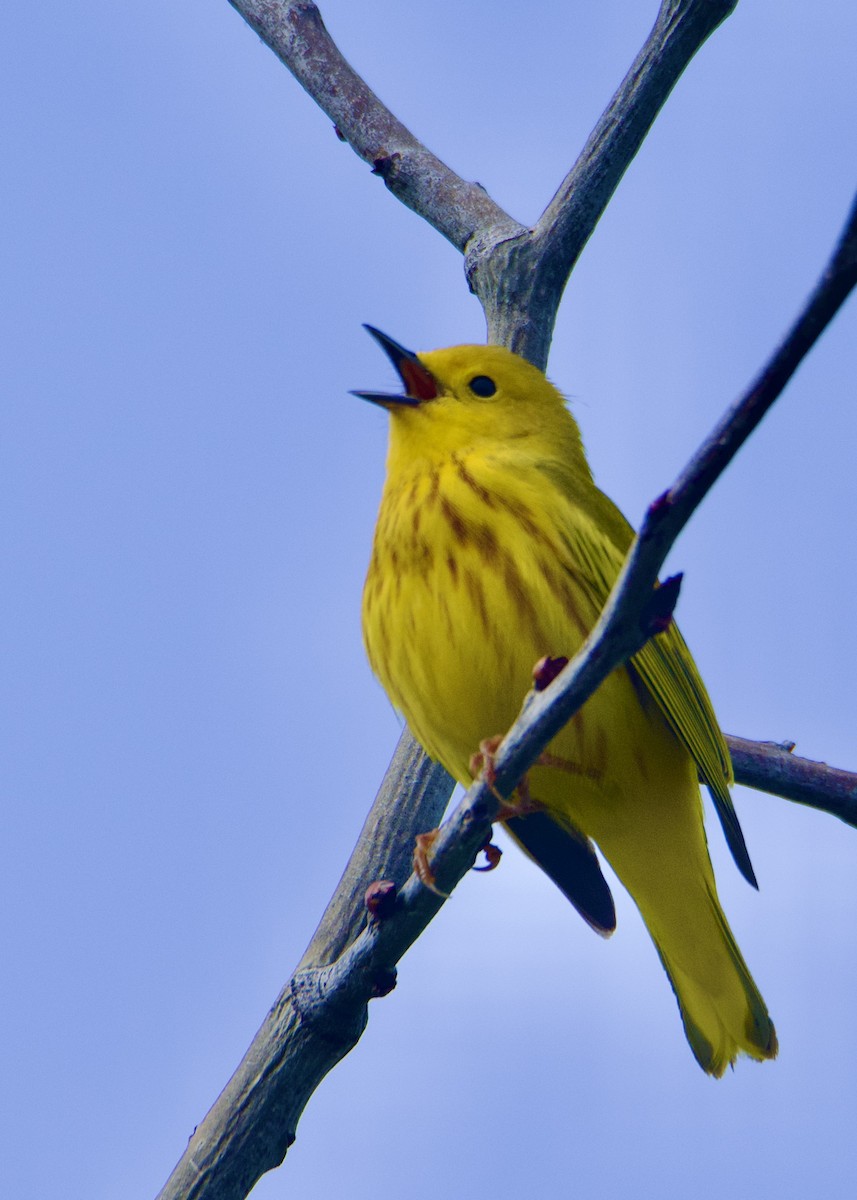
x: 656, y: 845
x: 651, y: 832
x: 721, y: 1008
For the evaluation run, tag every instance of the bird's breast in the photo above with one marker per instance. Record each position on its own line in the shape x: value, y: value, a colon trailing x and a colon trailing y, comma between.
x: 465, y: 592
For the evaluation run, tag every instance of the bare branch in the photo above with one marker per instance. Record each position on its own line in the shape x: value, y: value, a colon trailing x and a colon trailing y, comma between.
x: 320, y: 1015
x: 296, y: 33
x: 770, y: 767
x: 517, y: 274
x: 607, y: 644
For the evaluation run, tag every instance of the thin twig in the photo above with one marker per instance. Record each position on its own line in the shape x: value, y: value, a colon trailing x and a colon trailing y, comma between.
x: 769, y: 767
x: 613, y: 635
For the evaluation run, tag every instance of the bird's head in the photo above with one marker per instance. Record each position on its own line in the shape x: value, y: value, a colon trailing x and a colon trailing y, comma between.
x: 470, y: 397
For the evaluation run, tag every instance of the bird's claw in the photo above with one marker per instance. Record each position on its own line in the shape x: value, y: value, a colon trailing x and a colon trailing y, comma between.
x: 493, y: 854
x: 482, y: 766
x: 422, y: 867
x: 482, y: 763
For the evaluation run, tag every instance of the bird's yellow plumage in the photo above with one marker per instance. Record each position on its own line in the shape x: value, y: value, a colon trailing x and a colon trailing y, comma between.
x: 494, y: 548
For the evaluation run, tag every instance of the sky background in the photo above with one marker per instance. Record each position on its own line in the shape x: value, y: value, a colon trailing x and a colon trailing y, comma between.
x: 192, y: 734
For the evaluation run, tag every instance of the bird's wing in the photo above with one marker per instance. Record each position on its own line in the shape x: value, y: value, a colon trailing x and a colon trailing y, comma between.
x: 568, y: 858
x: 667, y: 669
x: 596, y: 537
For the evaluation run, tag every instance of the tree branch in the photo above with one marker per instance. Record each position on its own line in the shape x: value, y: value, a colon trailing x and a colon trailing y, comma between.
x: 310, y: 1027
x: 773, y: 768
x: 671, y: 512
x: 518, y: 274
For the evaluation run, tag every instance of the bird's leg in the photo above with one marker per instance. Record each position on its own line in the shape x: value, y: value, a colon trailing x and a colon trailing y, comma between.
x: 492, y: 853
x: 423, y: 843
x: 482, y: 766
x: 482, y: 763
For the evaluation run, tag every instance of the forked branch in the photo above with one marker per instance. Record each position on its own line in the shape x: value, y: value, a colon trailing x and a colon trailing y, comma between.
x: 517, y: 273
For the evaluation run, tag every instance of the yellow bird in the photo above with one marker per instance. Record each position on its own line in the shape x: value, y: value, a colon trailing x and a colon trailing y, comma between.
x: 493, y: 548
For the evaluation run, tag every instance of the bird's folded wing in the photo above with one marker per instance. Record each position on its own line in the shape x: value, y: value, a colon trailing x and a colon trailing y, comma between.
x: 568, y: 858
x: 596, y: 546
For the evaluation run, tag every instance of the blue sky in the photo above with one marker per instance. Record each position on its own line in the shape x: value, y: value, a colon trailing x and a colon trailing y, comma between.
x: 188, y: 492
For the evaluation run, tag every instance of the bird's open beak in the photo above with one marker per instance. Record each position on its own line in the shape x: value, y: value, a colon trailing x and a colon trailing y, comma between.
x: 417, y: 380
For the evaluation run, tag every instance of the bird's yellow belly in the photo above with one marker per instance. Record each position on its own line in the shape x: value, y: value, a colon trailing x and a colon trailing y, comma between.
x: 454, y: 644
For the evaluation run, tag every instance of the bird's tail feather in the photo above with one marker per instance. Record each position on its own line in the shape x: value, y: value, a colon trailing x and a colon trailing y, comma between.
x: 721, y: 1008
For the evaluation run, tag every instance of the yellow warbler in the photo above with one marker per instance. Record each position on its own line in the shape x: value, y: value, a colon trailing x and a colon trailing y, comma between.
x: 493, y: 548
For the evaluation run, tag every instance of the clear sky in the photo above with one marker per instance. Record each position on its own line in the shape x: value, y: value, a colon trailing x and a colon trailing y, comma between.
x: 192, y: 735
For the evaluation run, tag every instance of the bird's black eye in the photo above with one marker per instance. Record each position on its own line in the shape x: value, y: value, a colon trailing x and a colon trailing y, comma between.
x: 481, y: 385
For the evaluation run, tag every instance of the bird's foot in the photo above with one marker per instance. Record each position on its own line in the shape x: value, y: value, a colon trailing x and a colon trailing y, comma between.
x: 492, y: 853
x: 482, y: 766
x: 422, y: 866
x: 482, y: 763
